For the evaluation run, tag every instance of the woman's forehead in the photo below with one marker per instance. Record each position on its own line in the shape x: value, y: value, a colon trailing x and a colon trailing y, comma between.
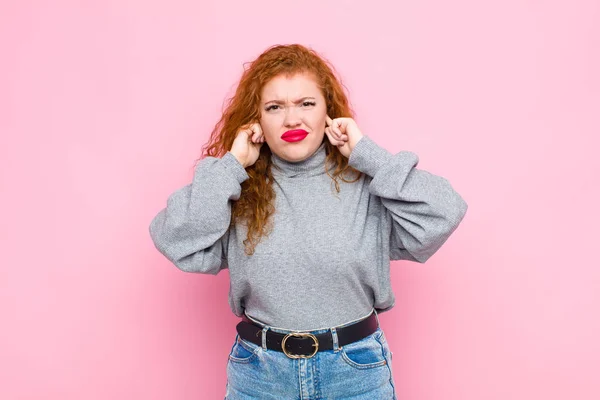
x: 290, y: 88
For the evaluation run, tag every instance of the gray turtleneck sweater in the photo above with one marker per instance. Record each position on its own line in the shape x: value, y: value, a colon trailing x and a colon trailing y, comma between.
x: 327, y: 260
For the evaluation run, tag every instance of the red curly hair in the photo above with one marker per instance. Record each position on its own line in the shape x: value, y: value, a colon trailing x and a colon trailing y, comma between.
x: 255, y: 205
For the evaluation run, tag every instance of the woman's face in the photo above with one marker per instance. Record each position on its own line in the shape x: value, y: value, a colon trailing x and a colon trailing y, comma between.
x: 294, y: 105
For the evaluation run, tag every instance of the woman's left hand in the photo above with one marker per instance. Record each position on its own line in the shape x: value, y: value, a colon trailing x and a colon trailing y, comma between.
x: 343, y: 133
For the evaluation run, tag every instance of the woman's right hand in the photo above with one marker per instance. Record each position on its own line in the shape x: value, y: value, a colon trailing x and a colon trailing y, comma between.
x: 247, y: 143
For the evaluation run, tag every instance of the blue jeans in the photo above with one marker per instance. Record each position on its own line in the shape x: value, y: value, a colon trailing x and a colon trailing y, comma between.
x: 359, y: 370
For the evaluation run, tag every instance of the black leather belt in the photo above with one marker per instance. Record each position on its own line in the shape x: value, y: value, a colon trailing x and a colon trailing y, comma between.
x: 306, y: 344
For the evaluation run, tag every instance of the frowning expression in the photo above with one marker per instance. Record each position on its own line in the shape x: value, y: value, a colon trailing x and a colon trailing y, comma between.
x: 293, y: 112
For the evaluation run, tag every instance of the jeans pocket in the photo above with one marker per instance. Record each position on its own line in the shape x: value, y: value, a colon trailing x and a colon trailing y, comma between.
x: 243, y: 351
x: 366, y: 353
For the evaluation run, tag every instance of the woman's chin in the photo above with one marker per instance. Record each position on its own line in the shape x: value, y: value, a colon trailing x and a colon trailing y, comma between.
x: 297, y: 151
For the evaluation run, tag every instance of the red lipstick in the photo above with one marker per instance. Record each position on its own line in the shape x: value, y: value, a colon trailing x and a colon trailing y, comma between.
x: 294, y: 135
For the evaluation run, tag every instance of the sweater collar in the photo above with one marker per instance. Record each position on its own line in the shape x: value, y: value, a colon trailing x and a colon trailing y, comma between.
x: 312, y: 165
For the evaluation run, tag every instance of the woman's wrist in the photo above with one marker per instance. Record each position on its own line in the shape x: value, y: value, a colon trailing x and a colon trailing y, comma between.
x: 239, y: 159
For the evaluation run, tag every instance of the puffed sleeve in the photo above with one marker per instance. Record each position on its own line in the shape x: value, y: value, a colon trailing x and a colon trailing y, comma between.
x: 424, y: 208
x: 192, y: 231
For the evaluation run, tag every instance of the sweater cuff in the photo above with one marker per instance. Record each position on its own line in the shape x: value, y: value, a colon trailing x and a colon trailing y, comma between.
x: 231, y: 164
x: 367, y: 156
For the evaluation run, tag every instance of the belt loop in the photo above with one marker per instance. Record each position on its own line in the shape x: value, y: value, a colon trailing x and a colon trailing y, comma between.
x: 264, y: 337
x: 334, y: 335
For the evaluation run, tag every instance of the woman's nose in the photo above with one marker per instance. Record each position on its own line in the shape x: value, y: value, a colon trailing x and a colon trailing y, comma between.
x: 291, y: 117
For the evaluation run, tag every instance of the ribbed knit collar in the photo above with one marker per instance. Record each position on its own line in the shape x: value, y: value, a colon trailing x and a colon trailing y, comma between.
x: 313, y: 165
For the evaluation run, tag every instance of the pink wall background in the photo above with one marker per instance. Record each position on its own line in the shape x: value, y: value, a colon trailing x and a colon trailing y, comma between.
x: 104, y: 107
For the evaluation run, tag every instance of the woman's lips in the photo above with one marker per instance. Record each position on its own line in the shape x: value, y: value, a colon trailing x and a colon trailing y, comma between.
x: 294, y: 135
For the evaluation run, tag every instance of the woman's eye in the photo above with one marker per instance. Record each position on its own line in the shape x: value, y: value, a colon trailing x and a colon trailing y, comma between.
x: 304, y: 104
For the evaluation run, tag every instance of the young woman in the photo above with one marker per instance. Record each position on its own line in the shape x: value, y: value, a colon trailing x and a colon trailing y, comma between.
x: 306, y: 212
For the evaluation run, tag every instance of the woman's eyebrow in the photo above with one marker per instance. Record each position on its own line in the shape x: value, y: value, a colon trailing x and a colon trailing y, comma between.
x: 295, y: 102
